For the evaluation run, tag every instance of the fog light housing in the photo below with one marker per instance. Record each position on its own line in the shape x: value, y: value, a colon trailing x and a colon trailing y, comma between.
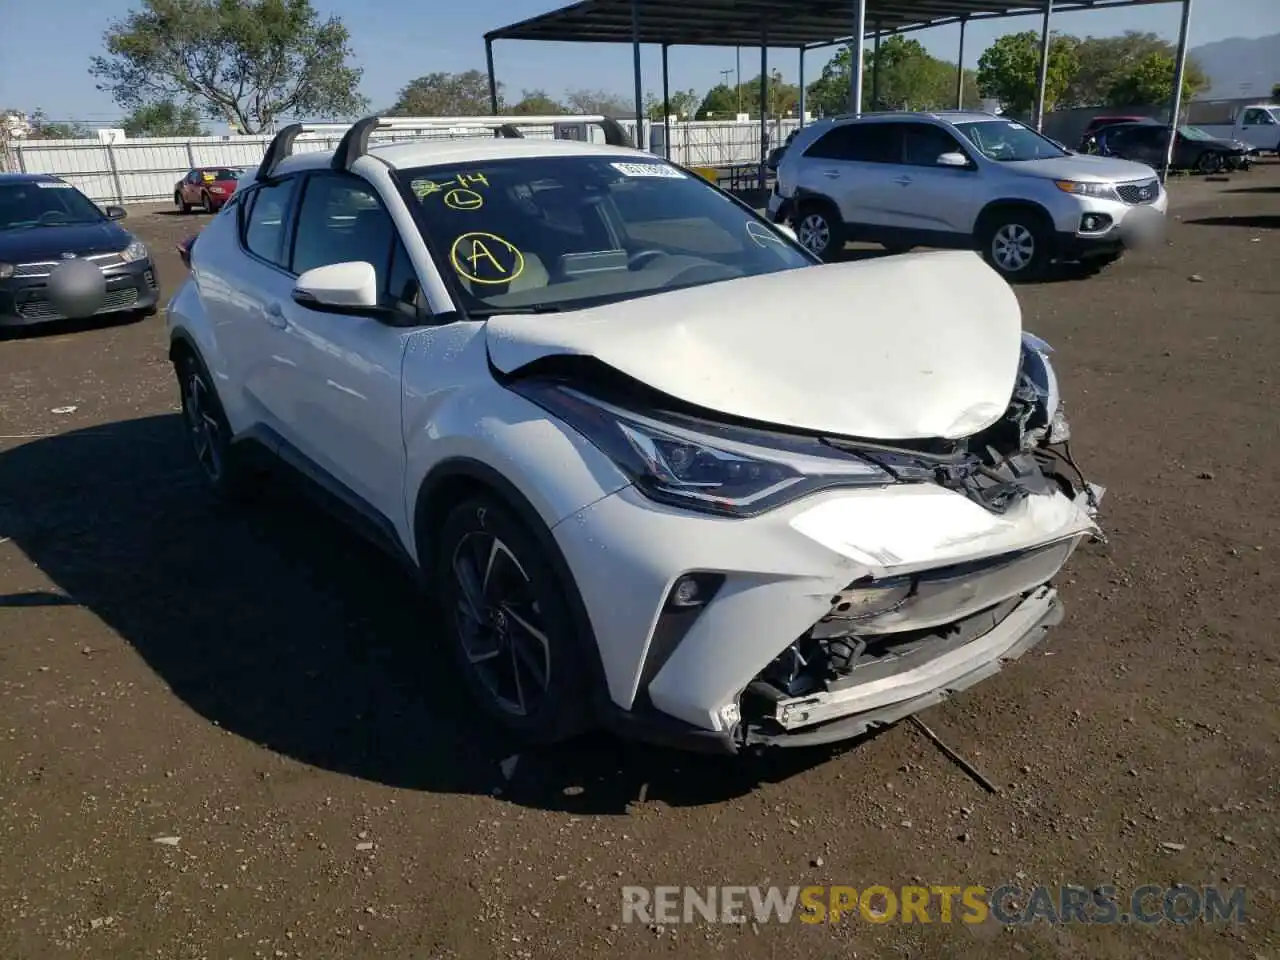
x: 1094, y: 223
x: 693, y: 590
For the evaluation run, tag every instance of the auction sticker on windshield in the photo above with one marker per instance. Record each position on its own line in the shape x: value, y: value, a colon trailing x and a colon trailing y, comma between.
x: 660, y: 170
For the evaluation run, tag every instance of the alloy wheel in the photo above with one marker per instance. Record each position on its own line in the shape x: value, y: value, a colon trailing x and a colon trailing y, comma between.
x: 1013, y: 247
x: 499, y: 624
x: 814, y: 232
x: 205, y: 428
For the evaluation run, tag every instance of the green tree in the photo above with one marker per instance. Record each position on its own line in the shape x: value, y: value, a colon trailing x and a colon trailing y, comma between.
x: 1103, y: 62
x: 599, y: 103
x: 442, y: 94
x: 1150, y: 82
x: 1275, y: 92
x: 537, y: 103
x: 248, y: 62
x: 164, y: 118
x: 1009, y: 70
x: 720, y: 103
x: 909, y: 77
x: 683, y: 104
x: 42, y: 128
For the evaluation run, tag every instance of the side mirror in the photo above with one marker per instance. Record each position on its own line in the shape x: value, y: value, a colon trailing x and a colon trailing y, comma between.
x: 116, y: 213
x: 953, y: 160
x: 786, y: 231
x: 184, y: 251
x: 350, y: 287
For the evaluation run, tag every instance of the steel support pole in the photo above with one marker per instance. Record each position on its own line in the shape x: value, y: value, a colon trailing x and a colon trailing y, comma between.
x: 803, y: 96
x: 764, y: 103
x: 874, y: 71
x: 666, y: 103
x: 960, y: 68
x: 493, y: 79
x: 635, y: 56
x: 1179, y: 71
x: 857, y: 57
x: 1044, y: 64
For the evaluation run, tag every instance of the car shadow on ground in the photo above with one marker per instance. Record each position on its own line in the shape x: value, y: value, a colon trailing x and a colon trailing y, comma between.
x: 1253, y: 221
x: 1255, y: 190
x: 281, y: 627
x: 58, y: 328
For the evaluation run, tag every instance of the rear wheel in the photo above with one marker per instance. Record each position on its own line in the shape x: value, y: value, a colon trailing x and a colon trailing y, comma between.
x: 206, y: 202
x: 819, y: 229
x: 511, y: 633
x: 1016, y: 242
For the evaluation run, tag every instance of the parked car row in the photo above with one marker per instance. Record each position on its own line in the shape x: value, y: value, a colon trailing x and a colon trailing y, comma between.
x: 1147, y: 141
x: 962, y: 180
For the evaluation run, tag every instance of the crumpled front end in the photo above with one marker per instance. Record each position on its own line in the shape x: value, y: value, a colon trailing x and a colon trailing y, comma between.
x: 848, y: 608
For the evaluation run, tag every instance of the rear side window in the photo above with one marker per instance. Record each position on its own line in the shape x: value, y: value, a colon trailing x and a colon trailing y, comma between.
x: 264, y: 220
x: 861, y: 143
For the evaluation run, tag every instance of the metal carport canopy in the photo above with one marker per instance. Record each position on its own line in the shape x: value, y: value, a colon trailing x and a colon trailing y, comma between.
x: 789, y: 23
x: 798, y: 24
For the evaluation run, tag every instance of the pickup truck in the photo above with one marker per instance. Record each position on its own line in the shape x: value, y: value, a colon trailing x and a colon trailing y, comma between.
x: 1257, y: 125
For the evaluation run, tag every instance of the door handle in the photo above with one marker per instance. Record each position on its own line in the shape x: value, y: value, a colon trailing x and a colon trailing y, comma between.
x: 903, y: 181
x: 275, y: 316
x: 833, y: 174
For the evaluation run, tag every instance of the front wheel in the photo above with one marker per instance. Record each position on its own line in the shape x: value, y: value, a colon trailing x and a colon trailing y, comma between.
x: 180, y: 202
x: 1016, y: 244
x: 1209, y: 163
x: 818, y: 229
x: 209, y: 432
x: 510, y: 630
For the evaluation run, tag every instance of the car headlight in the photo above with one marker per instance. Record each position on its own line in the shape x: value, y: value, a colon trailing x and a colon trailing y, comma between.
x: 6, y: 271
x: 134, y: 252
x: 1040, y: 373
x: 732, y: 471
x: 1099, y: 191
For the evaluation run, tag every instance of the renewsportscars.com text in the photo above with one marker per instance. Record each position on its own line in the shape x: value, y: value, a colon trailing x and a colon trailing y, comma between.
x: 1007, y: 904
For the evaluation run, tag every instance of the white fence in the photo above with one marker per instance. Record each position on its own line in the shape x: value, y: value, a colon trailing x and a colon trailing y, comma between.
x: 136, y: 171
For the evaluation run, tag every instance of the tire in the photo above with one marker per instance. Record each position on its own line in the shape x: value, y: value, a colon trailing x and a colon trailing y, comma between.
x: 510, y: 633
x: 210, y: 434
x: 1209, y: 163
x: 819, y: 228
x: 206, y: 203
x: 1016, y: 242
x: 181, y: 204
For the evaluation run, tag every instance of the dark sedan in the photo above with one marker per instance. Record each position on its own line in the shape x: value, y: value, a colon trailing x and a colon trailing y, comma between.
x: 62, y: 257
x: 1193, y: 150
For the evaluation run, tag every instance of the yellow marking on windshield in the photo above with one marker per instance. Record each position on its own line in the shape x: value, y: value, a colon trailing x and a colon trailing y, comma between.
x: 486, y: 258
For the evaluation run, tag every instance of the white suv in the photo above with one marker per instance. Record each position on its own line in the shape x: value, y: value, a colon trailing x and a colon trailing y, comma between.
x: 606, y: 412
x: 968, y: 180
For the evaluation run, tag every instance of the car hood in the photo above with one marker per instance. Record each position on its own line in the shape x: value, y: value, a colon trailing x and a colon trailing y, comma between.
x: 909, y: 347
x: 1083, y: 166
x: 32, y: 244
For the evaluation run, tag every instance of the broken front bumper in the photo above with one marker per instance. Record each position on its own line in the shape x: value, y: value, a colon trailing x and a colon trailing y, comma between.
x: 697, y: 677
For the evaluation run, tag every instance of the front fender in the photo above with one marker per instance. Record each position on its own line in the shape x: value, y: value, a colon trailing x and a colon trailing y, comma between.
x: 476, y: 421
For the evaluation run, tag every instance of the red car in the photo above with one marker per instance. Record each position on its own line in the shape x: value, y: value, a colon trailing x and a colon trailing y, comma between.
x: 205, y: 187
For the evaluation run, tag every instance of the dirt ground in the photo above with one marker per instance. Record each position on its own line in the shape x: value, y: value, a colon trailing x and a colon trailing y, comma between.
x: 260, y: 690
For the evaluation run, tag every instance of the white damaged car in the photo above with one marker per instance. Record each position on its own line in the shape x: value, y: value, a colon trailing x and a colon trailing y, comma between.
x: 663, y: 470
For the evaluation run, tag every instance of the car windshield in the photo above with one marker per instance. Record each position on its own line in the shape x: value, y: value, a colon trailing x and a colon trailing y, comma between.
x: 51, y: 203
x: 561, y: 233
x: 1009, y: 141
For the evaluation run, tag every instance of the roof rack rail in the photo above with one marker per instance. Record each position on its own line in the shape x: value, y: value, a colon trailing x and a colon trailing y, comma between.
x: 355, y: 142
x: 281, y: 145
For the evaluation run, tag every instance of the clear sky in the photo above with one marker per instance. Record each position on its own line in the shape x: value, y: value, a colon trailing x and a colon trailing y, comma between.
x: 45, y: 49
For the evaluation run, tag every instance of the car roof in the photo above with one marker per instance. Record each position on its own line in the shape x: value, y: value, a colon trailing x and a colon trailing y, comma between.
x: 945, y: 116
x: 29, y: 178
x: 423, y: 153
